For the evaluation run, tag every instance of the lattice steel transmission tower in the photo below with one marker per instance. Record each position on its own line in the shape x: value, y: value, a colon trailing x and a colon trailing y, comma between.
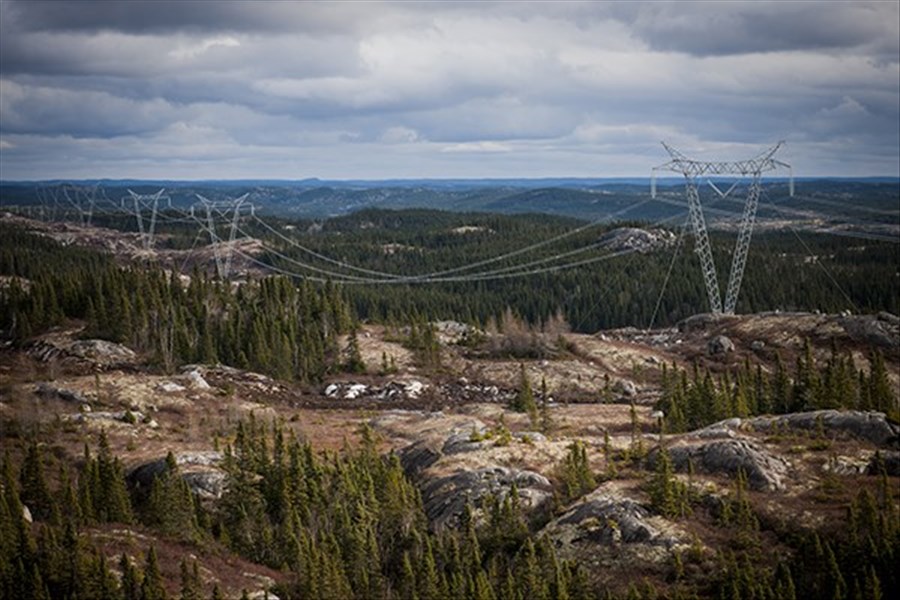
x: 81, y: 198
x: 229, y: 210
x: 692, y: 170
x: 150, y: 202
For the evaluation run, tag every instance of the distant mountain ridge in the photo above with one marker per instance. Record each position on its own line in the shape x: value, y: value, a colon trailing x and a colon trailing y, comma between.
x: 582, y: 198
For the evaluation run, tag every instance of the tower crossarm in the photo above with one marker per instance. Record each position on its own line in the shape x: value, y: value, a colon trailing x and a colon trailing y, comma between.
x: 692, y: 170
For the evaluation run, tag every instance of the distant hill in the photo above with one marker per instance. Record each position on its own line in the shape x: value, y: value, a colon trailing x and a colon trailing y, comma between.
x: 603, y: 199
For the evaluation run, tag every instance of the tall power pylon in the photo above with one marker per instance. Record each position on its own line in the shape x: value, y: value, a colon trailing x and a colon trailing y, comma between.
x: 151, y: 202
x: 753, y: 169
x: 228, y: 210
x: 81, y: 198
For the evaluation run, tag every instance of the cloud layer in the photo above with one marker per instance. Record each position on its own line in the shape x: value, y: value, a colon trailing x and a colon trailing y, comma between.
x: 190, y: 90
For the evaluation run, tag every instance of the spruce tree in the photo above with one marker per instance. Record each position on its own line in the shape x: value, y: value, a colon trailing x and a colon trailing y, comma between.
x: 354, y: 362
x: 546, y: 419
x: 35, y: 492
x: 152, y: 587
x: 524, y: 399
x: 191, y: 588
x: 663, y: 487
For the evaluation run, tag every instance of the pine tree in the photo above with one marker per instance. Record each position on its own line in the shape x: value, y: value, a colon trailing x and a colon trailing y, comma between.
x: 354, y: 362
x: 546, y: 419
x: 170, y: 506
x: 35, y: 492
x: 152, y: 587
x: 663, y: 486
x: 109, y: 495
x: 576, y: 475
x: 190, y: 581
x: 881, y: 396
x: 131, y: 580
x: 524, y: 399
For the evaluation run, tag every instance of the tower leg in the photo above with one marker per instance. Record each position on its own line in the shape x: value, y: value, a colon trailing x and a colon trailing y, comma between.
x: 742, y: 246
x: 703, y: 249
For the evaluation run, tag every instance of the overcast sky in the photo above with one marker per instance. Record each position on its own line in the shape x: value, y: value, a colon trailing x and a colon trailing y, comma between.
x: 344, y: 90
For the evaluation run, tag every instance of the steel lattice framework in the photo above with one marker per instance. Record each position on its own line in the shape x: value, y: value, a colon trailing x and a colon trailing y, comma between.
x: 149, y: 202
x: 228, y: 210
x: 692, y: 170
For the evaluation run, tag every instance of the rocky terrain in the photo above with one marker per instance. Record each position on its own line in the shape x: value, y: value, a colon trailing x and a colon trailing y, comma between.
x: 456, y: 437
x: 451, y: 426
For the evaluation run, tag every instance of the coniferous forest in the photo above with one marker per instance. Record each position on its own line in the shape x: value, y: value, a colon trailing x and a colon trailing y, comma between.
x: 427, y: 300
x: 351, y: 522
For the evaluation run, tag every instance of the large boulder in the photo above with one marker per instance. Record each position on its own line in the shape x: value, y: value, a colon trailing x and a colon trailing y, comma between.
x: 870, y: 426
x: 610, y: 525
x: 719, y: 346
x: 47, y: 390
x: 201, y: 471
x: 445, y: 498
x: 881, y: 330
x: 764, y: 470
x: 102, y: 352
x: 700, y: 322
x: 471, y: 475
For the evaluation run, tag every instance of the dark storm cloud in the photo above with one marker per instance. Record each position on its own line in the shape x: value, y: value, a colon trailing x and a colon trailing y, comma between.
x: 165, y: 16
x: 347, y: 89
x: 708, y: 29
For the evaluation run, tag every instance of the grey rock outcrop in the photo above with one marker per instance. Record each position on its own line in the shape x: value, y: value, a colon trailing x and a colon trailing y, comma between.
x: 764, y: 470
x: 418, y: 456
x: 870, y: 426
x: 610, y: 518
x: 201, y: 471
x: 47, y: 390
x: 102, y: 352
x: 446, y: 492
x: 881, y: 330
x: 445, y: 497
x: 97, y: 352
x: 699, y: 322
x: 719, y: 345
x: 129, y: 417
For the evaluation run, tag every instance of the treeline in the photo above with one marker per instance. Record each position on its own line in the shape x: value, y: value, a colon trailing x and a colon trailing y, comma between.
x: 272, y: 325
x: 348, y: 525
x: 781, y: 273
x: 691, y: 401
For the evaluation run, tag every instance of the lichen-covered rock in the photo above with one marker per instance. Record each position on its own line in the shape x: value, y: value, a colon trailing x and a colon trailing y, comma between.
x: 196, y: 381
x: 625, y: 388
x: 129, y: 417
x: 881, y: 330
x: 418, y: 456
x: 103, y: 352
x: 764, y: 470
x: 720, y: 345
x: 445, y: 497
x: 870, y: 426
x: 201, y: 471
x: 47, y: 390
x: 609, y: 524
